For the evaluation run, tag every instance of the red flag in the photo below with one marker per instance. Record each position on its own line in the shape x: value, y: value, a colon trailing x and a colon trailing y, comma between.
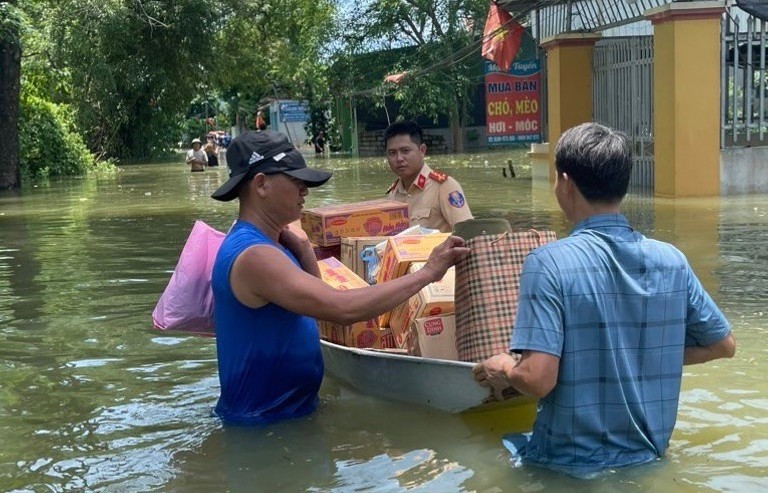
x: 395, y: 78
x: 501, y: 37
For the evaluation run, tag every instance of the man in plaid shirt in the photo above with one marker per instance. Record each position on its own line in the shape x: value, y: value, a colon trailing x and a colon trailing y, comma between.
x: 606, y: 320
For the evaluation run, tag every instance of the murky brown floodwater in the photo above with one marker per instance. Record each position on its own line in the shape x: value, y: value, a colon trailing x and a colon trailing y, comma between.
x: 93, y: 399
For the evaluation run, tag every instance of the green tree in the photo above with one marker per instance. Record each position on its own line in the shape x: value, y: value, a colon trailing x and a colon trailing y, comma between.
x: 129, y: 69
x: 272, y: 49
x: 49, y: 144
x: 444, y: 36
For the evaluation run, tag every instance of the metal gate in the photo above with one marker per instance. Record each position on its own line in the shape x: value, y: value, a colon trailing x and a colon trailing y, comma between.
x: 743, y: 91
x: 622, y: 98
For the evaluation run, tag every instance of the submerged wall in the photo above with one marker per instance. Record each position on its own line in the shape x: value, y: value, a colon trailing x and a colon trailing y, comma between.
x: 438, y: 140
x: 743, y: 170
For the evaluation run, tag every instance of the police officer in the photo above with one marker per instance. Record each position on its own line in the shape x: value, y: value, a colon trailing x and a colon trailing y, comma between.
x: 435, y: 200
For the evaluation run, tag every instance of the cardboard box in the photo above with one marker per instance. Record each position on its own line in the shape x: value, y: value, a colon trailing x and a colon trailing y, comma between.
x: 339, y: 276
x: 436, y: 337
x: 361, y: 335
x: 333, y: 332
x: 323, y: 252
x: 432, y: 300
x: 387, y: 339
x: 365, y: 334
x: 328, y: 224
x: 351, y: 248
x: 401, y: 251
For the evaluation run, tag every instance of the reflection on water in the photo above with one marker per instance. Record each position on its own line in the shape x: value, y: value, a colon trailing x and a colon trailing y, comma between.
x: 93, y: 399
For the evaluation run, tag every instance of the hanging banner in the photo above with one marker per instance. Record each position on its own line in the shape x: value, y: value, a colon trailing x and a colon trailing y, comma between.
x: 512, y: 102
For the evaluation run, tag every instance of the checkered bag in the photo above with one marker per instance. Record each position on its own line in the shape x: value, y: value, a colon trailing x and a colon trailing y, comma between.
x: 487, y: 287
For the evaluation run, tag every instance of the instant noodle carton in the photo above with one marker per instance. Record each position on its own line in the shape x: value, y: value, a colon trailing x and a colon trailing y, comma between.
x: 365, y: 334
x: 326, y: 225
x: 436, y: 337
x: 323, y: 252
x: 432, y: 300
x: 351, y: 250
x: 401, y: 251
x: 398, y: 255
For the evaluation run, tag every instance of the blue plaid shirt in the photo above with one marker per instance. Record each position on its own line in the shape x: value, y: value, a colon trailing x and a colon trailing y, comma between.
x: 618, y: 309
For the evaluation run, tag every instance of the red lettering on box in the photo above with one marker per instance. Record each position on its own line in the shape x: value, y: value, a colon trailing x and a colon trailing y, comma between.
x: 433, y: 327
x: 388, y: 341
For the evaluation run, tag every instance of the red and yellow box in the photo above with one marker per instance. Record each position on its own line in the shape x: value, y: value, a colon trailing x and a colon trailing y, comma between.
x: 338, y: 275
x: 401, y: 251
x: 333, y: 332
x: 326, y: 225
x: 432, y: 300
x: 365, y: 334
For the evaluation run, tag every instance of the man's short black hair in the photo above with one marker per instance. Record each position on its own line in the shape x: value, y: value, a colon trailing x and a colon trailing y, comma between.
x: 597, y: 159
x: 410, y: 128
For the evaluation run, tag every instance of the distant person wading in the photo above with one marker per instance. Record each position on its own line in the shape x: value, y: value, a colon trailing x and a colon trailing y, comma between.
x: 197, y: 159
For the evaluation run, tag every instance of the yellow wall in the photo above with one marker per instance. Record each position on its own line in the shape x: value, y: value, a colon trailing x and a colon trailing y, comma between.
x: 687, y: 107
x: 569, y: 87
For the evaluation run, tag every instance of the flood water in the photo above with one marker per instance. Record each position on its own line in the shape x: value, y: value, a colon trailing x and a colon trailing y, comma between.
x: 93, y: 399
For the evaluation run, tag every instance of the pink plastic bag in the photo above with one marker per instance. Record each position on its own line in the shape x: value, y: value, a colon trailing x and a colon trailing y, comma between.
x: 187, y: 302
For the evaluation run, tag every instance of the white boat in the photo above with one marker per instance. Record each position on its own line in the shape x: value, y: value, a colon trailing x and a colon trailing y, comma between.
x: 439, y: 384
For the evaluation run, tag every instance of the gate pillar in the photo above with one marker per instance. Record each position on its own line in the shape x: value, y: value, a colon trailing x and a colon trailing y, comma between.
x: 686, y: 97
x: 569, y: 84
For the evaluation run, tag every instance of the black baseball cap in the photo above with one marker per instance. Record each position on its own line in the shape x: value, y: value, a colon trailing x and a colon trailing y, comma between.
x: 265, y: 152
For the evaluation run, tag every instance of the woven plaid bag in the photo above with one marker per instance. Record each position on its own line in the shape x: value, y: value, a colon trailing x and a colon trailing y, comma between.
x: 487, y: 288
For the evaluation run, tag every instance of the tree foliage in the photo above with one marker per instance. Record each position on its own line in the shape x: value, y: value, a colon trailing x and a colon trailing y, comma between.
x: 273, y: 49
x: 441, y: 68
x: 133, y: 67
x: 50, y: 146
x: 127, y: 73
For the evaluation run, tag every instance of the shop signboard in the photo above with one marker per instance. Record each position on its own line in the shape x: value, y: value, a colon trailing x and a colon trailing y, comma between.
x: 292, y: 111
x: 512, y: 102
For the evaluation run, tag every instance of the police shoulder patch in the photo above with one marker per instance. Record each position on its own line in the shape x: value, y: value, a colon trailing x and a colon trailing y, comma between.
x: 456, y: 199
x: 392, y: 186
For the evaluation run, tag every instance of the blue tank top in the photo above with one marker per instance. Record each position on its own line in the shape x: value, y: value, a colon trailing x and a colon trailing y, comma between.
x: 270, y: 362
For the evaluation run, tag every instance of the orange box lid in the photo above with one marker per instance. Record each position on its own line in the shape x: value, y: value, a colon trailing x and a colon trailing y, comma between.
x: 338, y: 275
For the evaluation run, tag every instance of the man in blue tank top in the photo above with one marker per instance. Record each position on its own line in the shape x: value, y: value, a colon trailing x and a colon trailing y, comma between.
x: 606, y: 320
x: 267, y: 287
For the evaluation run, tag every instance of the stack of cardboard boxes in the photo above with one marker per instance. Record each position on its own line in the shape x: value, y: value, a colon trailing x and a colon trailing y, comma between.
x: 365, y: 334
x: 423, y: 325
x: 351, y: 253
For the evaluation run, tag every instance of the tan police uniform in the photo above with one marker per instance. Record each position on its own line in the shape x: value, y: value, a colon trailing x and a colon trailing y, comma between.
x: 435, y: 200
